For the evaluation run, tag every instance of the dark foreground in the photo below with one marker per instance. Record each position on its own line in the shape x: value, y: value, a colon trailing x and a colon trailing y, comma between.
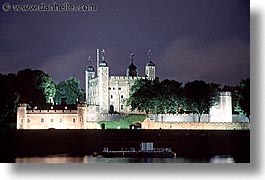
x: 186, y: 143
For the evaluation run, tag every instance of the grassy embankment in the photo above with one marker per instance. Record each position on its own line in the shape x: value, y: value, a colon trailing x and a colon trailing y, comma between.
x: 123, y: 123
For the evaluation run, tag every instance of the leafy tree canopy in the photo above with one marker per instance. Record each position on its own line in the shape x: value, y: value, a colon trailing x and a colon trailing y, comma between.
x: 69, y: 90
x: 200, y: 96
x: 34, y: 87
x: 242, y: 97
x: 156, y: 97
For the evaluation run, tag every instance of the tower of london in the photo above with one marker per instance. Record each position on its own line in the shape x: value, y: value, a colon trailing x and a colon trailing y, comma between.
x: 108, y: 93
x: 106, y: 100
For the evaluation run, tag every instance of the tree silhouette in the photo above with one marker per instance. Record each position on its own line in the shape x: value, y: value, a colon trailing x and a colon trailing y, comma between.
x: 200, y: 96
x: 242, y: 97
x: 156, y: 97
x: 34, y: 87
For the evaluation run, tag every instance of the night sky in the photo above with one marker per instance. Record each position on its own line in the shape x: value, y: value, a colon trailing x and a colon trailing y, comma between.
x: 190, y: 39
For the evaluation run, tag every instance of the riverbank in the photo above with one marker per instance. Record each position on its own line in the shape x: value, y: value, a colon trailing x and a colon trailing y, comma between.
x: 186, y: 143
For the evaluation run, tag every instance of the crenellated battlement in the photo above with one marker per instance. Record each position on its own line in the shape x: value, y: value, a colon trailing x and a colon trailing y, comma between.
x: 126, y: 77
x: 51, y: 111
x: 227, y: 93
x: 151, y: 124
x: 64, y: 118
x: 22, y: 105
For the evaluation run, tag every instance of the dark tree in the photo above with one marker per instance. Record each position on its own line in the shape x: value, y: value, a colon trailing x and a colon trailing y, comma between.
x: 171, y: 95
x: 141, y: 94
x: 156, y: 97
x: 8, y: 100
x: 69, y: 90
x: 242, y: 98
x: 200, y: 96
x: 34, y: 87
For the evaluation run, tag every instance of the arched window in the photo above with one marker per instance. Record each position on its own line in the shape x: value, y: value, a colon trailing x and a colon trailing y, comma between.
x: 111, y: 109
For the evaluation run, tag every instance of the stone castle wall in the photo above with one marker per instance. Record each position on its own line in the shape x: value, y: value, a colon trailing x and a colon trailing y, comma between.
x: 151, y: 124
x: 110, y: 92
x: 178, y: 117
x: 192, y: 118
x: 92, y: 92
x: 57, y: 119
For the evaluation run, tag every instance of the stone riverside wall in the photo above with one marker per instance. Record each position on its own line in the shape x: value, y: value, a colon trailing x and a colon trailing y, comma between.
x: 151, y: 124
x: 178, y: 117
x: 191, y: 118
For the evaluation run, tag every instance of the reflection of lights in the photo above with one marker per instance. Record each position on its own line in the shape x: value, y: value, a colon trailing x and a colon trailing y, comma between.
x: 222, y: 159
x: 52, y: 159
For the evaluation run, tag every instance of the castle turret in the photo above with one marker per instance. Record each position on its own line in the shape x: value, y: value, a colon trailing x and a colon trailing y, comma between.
x: 103, y: 83
x: 222, y: 111
x: 21, y: 116
x: 81, y: 113
x: 89, y: 74
x: 150, y: 67
x: 132, y: 69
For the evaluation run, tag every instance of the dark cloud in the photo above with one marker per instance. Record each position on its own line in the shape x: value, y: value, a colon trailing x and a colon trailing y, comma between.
x: 202, y: 39
x: 225, y: 62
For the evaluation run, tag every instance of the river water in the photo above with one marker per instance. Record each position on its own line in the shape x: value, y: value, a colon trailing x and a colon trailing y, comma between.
x: 99, y: 159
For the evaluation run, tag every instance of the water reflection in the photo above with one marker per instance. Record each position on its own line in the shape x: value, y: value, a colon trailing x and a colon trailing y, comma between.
x: 222, y: 159
x: 51, y: 159
x: 100, y: 159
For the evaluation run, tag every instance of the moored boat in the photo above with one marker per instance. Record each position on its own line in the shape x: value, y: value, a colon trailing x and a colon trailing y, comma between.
x: 146, y: 150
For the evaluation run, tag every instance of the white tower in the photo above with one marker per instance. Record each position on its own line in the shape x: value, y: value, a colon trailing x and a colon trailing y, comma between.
x: 150, y: 67
x: 222, y: 111
x: 103, y: 83
x: 89, y: 74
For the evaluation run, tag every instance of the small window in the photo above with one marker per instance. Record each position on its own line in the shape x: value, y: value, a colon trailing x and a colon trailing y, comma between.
x: 121, y: 96
x: 22, y: 120
x: 119, y: 88
x: 28, y: 120
x: 42, y: 120
x: 113, y: 88
x: 51, y: 120
x: 80, y: 119
x: 121, y: 106
x: 73, y: 119
x: 111, y: 96
x: 109, y: 88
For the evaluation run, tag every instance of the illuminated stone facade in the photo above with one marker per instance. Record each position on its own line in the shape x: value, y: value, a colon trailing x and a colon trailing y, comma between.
x: 54, y: 119
x: 109, y: 92
x: 106, y: 95
x: 151, y: 124
x: 222, y: 111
